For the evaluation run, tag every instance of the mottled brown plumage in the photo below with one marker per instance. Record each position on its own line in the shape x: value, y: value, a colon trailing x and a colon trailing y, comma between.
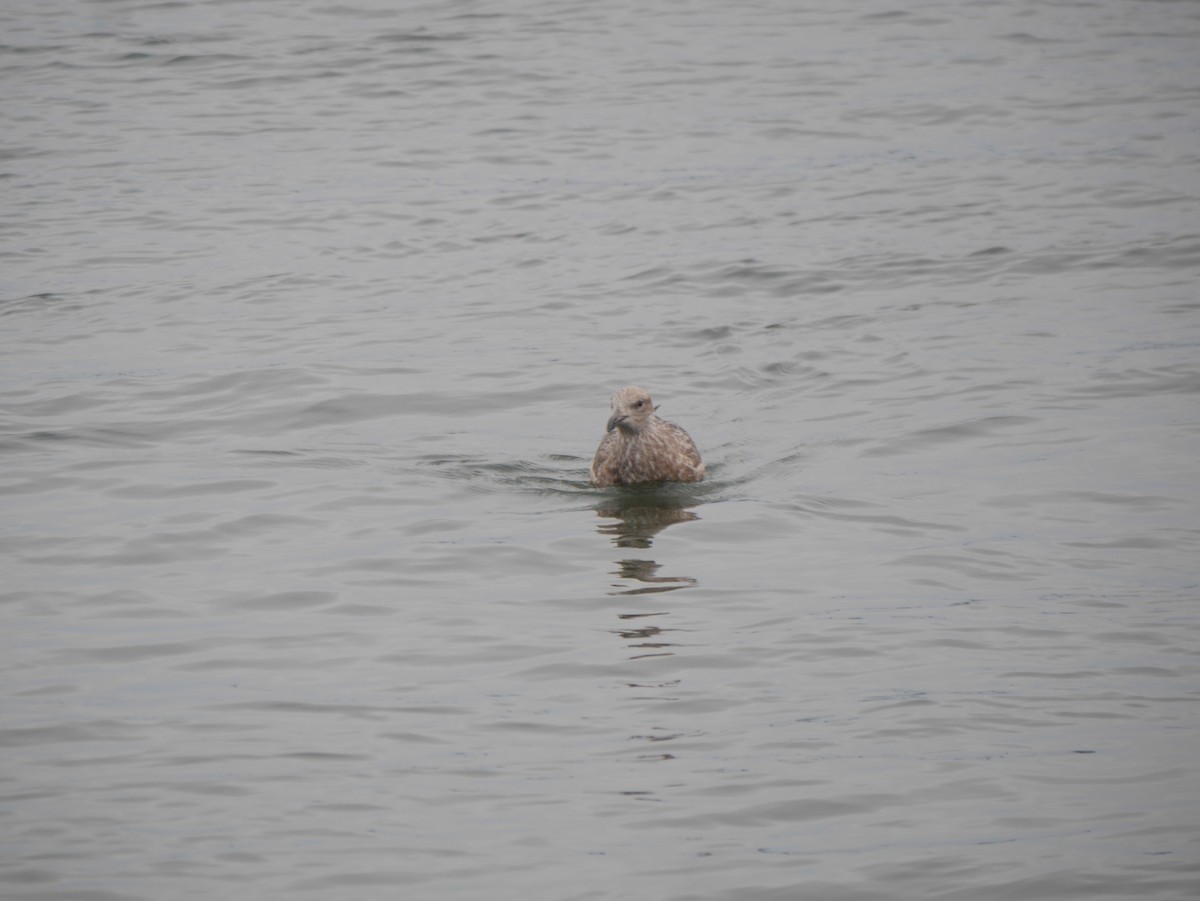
x: 640, y: 447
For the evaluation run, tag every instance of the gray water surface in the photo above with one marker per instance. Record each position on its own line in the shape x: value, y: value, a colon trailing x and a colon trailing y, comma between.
x: 310, y: 316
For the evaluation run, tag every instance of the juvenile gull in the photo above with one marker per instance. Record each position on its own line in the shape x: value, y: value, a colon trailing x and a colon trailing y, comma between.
x: 640, y: 447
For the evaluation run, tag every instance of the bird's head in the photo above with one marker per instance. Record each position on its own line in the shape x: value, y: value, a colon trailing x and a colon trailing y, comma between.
x: 632, y: 410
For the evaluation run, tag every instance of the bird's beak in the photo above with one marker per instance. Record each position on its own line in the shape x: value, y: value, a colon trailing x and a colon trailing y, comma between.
x: 613, y: 420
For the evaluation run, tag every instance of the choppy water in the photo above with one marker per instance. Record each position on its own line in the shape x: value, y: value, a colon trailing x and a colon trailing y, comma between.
x: 310, y: 316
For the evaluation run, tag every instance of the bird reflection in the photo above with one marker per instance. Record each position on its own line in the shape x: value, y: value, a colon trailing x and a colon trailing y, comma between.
x: 632, y: 522
x: 637, y: 527
x: 640, y: 514
x: 644, y: 571
x: 649, y: 641
x: 631, y: 518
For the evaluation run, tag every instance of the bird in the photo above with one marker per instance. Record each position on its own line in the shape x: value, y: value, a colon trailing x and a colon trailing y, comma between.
x: 639, y: 447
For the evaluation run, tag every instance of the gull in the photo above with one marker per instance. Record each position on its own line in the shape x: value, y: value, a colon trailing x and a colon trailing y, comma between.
x: 639, y: 447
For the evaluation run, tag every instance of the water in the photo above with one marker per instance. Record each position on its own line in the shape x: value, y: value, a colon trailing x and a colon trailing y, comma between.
x: 310, y: 320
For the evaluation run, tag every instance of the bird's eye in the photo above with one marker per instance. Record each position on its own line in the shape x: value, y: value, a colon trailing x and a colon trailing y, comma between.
x: 640, y: 404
